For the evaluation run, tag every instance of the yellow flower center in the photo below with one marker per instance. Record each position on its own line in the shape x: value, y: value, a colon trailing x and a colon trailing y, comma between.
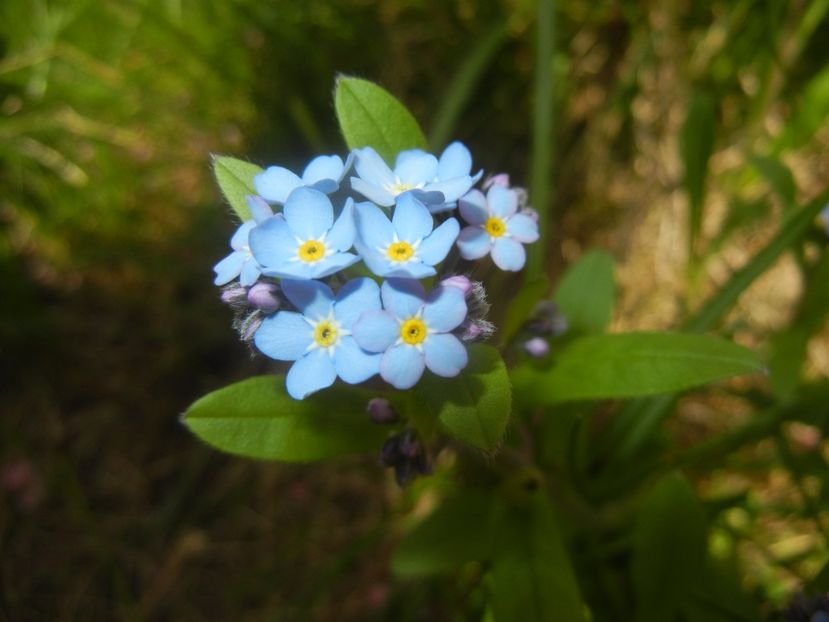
x: 413, y: 331
x: 400, y: 251
x: 325, y: 334
x: 311, y: 251
x: 495, y: 227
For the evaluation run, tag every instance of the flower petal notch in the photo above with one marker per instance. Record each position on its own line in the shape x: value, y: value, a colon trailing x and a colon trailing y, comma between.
x: 240, y: 263
x: 305, y: 242
x: 324, y: 173
x: 405, y: 246
x: 319, y: 336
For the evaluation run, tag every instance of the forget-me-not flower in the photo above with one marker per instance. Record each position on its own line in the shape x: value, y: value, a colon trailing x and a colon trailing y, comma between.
x: 307, y: 243
x: 496, y: 227
x: 323, y: 173
x: 319, y: 337
x: 439, y: 183
x: 413, y: 331
x: 406, y: 245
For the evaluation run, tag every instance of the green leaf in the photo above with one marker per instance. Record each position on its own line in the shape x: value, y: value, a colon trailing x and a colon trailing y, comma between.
x: 778, y: 176
x: 586, y: 293
x: 257, y: 419
x: 457, y: 532
x: 696, y: 145
x: 810, y: 113
x: 669, y: 544
x: 370, y: 116
x: 532, y: 577
x: 635, y: 364
x: 235, y: 179
x: 475, y: 405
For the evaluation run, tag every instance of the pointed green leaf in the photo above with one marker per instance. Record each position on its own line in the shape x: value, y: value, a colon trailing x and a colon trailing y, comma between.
x: 257, y: 419
x: 586, y: 293
x: 696, y: 145
x: 235, y: 178
x: 778, y: 176
x: 370, y: 116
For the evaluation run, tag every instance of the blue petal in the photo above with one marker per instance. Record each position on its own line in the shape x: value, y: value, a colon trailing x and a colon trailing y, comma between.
x: 474, y: 243
x: 402, y: 366
x: 375, y: 194
x: 354, y: 298
x: 371, y: 168
x: 445, y: 309
x: 373, y: 226
x: 323, y: 167
x: 402, y: 297
x: 452, y: 189
x: 349, y: 162
x: 259, y: 208
x: 523, y: 228
x: 411, y: 219
x: 342, y: 233
x: 503, y: 202
x: 418, y: 169
x: 374, y: 260
x: 445, y: 355
x: 407, y: 154
x: 284, y: 336
x: 309, y: 213
x: 434, y: 249
x: 508, y: 254
x: 354, y: 364
x: 473, y: 207
x: 276, y: 183
x: 410, y: 270
x: 429, y: 199
x: 240, y: 238
x: 326, y: 186
x: 250, y: 272
x: 287, y: 269
x: 312, y: 372
x: 455, y: 161
x: 312, y: 298
x: 376, y: 331
x: 333, y: 263
x: 271, y: 242
x: 229, y: 267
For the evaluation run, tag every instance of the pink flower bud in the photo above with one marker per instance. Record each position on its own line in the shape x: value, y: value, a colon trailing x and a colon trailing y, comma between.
x: 499, y: 179
x: 381, y: 411
x: 459, y: 281
x: 536, y: 347
x: 264, y: 296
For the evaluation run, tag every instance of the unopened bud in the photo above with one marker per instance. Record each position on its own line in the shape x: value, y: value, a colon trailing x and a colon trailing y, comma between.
x: 460, y: 281
x: 406, y: 455
x: 536, y: 347
x: 234, y: 295
x: 499, y: 179
x: 264, y: 296
x: 381, y: 411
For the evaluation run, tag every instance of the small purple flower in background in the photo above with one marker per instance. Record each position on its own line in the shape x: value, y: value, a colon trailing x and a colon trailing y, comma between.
x: 405, y: 246
x: 824, y: 217
x: 537, y: 347
x: 323, y: 173
x: 381, y: 411
x: 306, y: 243
x: 319, y: 337
x: 413, y: 332
x: 496, y: 228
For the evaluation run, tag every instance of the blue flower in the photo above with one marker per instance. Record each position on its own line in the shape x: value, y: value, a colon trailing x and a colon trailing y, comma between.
x: 824, y: 216
x: 440, y: 183
x: 413, y: 331
x: 306, y: 243
x: 323, y: 173
x: 240, y: 262
x: 406, y: 246
x: 319, y: 337
x: 497, y: 228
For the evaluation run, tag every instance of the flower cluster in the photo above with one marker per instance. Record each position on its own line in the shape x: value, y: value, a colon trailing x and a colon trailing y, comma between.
x: 287, y: 263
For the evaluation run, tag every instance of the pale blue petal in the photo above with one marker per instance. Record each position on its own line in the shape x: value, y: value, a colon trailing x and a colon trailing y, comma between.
x: 455, y: 161
x: 402, y: 366
x: 309, y: 213
x: 229, y: 267
x: 508, y: 254
x: 326, y: 186
x: 452, y: 189
x: 418, y: 169
x: 259, y: 208
x: 406, y: 155
x: 474, y: 243
x: 323, y: 167
x: 276, y: 183
x: 434, y: 248
x: 272, y: 243
x: 429, y: 199
x: 411, y: 218
x: 355, y: 365
x: 376, y: 331
x: 523, y: 228
x: 411, y: 270
x: 342, y: 234
x: 445, y: 309
x: 349, y: 162
x: 250, y: 272
x: 240, y: 238
x: 503, y: 202
x: 371, y: 168
x: 373, y: 227
x: 312, y: 372
x: 354, y: 298
x: 375, y: 194
x: 473, y: 207
x: 312, y: 298
x: 332, y: 264
x: 445, y: 355
x: 374, y: 260
x: 284, y: 336
x: 402, y: 297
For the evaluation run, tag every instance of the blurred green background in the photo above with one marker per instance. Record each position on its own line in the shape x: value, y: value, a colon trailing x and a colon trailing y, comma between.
x: 110, y: 224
